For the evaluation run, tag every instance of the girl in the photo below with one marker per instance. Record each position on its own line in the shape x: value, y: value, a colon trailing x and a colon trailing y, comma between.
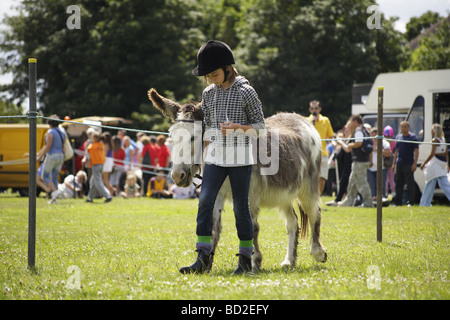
x: 96, y: 162
x: 109, y: 161
x: 232, y: 112
x: 435, y: 167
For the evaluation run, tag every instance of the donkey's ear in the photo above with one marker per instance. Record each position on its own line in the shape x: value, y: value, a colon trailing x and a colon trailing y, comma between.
x: 167, y: 107
x: 198, y: 112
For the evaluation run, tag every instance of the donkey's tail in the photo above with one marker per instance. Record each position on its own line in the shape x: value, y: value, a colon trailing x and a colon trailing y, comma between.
x: 303, y: 221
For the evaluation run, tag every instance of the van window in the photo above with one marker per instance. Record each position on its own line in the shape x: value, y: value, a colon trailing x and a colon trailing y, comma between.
x: 416, y: 118
x: 441, y: 114
x: 392, y: 120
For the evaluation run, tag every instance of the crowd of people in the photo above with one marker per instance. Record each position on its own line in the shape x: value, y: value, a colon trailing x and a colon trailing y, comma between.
x: 352, y: 167
x: 109, y: 166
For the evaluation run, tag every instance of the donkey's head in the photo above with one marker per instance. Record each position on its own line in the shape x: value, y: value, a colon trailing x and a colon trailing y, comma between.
x: 186, y: 134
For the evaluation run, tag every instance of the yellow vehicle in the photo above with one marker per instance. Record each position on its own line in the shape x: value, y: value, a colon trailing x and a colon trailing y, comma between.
x: 14, y: 155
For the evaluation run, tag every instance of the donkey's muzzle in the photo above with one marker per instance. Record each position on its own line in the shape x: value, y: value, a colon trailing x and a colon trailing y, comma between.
x: 181, y: 177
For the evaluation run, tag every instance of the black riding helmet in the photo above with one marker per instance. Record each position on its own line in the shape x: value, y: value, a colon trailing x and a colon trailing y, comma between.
x: 211, y: 56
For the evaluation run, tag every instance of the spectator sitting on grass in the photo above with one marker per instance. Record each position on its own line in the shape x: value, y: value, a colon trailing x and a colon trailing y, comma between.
x: 131, y: 188
x: 157, y: 187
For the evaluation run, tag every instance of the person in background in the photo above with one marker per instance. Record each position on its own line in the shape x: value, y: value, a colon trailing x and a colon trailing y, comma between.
x: 157, y: 187
x: 72, y: 185
x: 131, y: 188
x: 344, y: 165
x: 325, y: 130
x: 129, y: 152
x: 372, y: 171
x: 390, y: 181
x: 40, y: 182
x: 54, y: 156
x: 435, y: 167
x: 360, y: 163
x: 85, y: 160
x: 109, y: 161
x: 406, y: 155
x: 118, y: 166
x: 148, y: 158
x: 163, y: 152
x: 97, y: 160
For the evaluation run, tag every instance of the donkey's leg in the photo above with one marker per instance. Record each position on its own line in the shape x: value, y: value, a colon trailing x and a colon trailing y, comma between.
x: 313, y: 211
x: 257, y: 256
x: 317, y: 250
x: 217, y: 221
x: 293, y: 232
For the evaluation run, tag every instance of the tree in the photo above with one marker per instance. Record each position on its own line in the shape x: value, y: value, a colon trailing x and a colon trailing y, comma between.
x: 434, y: 50
x: 122, y: 49
x: 417, y: 25
x: 292, y: 51
x: 10, y: 109
x: 297, y: 51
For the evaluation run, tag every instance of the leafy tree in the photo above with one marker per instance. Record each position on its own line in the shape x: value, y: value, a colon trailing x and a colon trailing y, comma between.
x: 434, y: 50
x: 418, y: 25
x: 292, y: 51
x: 297, y: 51
x: 10, y: 109
x: 106, y: 67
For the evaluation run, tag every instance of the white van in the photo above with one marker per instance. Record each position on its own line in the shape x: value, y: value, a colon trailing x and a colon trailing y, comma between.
x: 426, y: 97
x: 391, y: 117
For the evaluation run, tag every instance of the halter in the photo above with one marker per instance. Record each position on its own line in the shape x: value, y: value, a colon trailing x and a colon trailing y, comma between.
x: 198, y: 176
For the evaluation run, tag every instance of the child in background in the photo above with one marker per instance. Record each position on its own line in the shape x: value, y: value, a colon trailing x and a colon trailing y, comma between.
x: 97, y: 159
x: 118, y: 167
x: 157, y: 187
x: 131, y: 188
x: 390, y: 178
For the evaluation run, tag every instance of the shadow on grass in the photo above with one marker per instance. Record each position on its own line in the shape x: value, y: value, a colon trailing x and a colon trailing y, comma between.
x: 227, y: 272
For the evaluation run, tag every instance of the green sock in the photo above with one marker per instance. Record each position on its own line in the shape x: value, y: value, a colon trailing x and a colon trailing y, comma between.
x: 246, y: 244
x: 246, y: 248
x: 204, y: 239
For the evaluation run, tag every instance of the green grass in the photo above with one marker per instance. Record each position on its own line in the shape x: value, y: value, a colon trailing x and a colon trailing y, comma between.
x: 132, y: 249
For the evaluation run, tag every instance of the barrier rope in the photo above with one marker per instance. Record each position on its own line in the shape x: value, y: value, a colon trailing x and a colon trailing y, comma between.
x: 124, y: 163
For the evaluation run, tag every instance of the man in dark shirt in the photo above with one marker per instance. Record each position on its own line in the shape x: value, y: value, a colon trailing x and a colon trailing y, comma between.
x: 405, y: 163
x: 357, y: 182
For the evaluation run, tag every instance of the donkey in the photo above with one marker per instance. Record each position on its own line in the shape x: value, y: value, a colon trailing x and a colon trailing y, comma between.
x: 298, y: 156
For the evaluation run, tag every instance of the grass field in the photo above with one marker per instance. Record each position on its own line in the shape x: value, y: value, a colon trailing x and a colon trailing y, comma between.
x: 132, y: 249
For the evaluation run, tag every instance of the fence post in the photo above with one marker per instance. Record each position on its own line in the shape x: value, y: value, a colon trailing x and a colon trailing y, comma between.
x: 32, y: 167
x: 380, y: 165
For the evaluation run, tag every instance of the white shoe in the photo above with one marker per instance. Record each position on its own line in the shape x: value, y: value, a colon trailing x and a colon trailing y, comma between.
x: 55, y: 195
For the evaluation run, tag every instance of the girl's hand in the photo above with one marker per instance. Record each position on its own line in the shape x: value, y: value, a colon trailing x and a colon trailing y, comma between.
x: 229, y: 127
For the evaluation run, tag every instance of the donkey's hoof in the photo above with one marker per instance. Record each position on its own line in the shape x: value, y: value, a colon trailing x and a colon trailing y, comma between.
x: 286, y: 264
x: 320, y: 256
x: 256, y: 262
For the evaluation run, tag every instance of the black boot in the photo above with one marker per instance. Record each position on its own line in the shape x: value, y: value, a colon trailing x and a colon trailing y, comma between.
x: 201, y: 265
x: 244, y: 265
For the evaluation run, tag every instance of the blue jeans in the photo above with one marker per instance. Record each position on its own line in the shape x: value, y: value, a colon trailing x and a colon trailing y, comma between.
x: 51, y: 168
x: 213, y: 178
x: 372, y: 178
x: 428, y: 192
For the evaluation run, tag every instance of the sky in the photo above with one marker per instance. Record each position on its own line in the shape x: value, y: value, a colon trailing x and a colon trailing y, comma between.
x: 403, y: 9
